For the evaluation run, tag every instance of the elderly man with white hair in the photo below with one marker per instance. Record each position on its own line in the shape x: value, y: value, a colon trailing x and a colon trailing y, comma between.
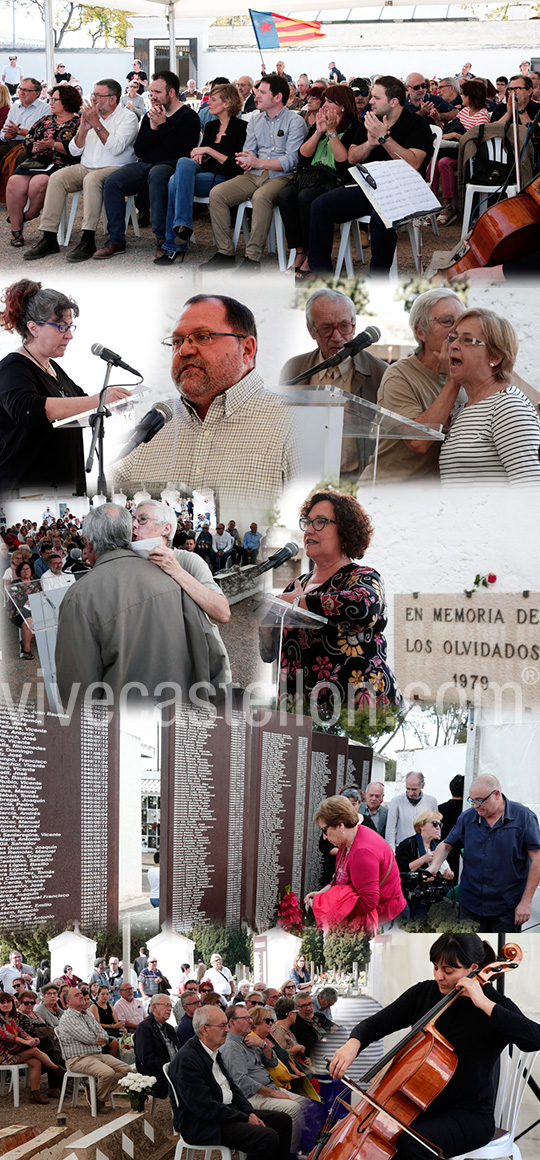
x: 418, y: 387
x: 220, y: 978
x: 127, y: 624
x: 373, y: 807
x: 501, y: 858
x: 331, y: 322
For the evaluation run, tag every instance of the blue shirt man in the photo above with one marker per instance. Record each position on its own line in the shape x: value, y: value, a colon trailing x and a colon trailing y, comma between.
x: 501, y: 858
x: 251, y: 544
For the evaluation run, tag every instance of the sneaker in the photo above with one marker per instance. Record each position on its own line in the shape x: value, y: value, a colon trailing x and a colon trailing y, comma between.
x: 218, y: 262
x: 248, y: 266
x: 47, y: 245
x: 85, y: 250
x: 109, y: 250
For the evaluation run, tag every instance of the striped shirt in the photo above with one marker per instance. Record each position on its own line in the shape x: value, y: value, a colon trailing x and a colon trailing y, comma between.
x: 493, y: 442
x: 245, y: 446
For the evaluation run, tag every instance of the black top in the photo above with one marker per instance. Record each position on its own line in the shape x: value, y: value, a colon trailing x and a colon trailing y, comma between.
x: 65, y: 76
x: 232, y: 142
x: 410, y: 131
x: 106, y: 1017
x: 532, y: 108
x: 200, y: 1111
x: 341, y: 167
x: 477, y: 1039
x: 175, y: 138
x: 139, y: 76
x: 31, y: 450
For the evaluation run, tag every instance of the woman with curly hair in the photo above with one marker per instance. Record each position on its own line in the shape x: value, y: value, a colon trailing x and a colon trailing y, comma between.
x: 47, y: 150
x: 344, y: 659
x: 35, y: 391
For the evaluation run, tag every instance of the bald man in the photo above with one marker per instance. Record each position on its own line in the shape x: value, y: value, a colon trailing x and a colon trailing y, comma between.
x: 501, y: 858
x: 373, y: 808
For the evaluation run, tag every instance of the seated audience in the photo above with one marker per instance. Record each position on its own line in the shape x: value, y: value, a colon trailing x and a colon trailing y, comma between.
x: 156, y: 1043
x: 46, y: 151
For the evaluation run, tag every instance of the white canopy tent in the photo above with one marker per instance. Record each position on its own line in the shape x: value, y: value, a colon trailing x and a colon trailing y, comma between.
x: 212, y: 9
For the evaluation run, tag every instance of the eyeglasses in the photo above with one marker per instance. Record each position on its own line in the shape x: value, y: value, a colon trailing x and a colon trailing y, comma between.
x: 101, y: 96
x: 19, y: 986
x: 415, y: 88
x: 21, y: 90
x: 328, y: 328
x: 62, y: 327
x: 480, y: 801
x: 437, y: 824
x: 517, y: 89
x: 28, y: 1003
x: 194, y: 1003
x: 445, y: 320
x: 269, y: 1021
x: 317, y: 524
x: 199, y: 338
x: 465, y: 340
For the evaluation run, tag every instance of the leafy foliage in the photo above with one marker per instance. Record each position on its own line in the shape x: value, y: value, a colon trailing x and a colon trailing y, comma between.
x: 440, y: 919
x: 234, y: 945
x: 313, y: 946
x: 354, y: 289
x: 108, y: 24
x: 411, y: 287
x: 343, y: 947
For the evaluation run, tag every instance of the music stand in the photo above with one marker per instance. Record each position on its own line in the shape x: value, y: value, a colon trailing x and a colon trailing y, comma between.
x: 279, y: 612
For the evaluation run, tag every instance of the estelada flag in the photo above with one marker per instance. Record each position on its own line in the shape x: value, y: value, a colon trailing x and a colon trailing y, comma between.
x: 274, y: 31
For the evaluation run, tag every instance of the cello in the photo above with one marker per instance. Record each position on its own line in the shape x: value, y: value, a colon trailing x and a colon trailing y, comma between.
x: 504, y: 233
x: 402, y: 1084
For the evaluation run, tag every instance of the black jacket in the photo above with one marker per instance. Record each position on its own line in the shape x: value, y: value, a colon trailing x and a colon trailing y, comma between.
x: 201, y: 1111
x: 151, y: 1052
x: 175, y: 138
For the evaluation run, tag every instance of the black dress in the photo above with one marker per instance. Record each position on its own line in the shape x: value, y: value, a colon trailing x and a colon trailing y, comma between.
x: 460, y: 1118
x: 32, y: 451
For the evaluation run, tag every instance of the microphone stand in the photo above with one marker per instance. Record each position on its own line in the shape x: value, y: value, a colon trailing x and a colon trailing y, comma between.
x: 97, y: 423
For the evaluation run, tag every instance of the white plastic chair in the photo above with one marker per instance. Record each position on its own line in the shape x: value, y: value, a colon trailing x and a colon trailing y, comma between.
x: 68, y: 218
x: 436, y: 133
x: 514, y: 1072
x: 77, y: 1076
x: 495, y: 151
x: 14, y: 1068
x: 191, y: 1149
x: 276, y: 235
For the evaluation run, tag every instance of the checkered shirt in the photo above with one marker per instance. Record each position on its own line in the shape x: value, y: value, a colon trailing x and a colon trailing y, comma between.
x: 78, y: 1033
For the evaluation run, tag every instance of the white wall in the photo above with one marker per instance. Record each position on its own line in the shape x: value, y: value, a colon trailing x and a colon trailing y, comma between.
x: 439, y: 764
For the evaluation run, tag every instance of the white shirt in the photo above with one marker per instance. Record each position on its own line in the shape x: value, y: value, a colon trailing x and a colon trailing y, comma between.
x: 222, y: 543
x: 9, y: 973
x: 220, y: 980
x: 25, y: 117
x: 49, y: 580
x: 12, y: 74
x: 153, y: 881
x: 122, y: 127
x: 219, y: 1075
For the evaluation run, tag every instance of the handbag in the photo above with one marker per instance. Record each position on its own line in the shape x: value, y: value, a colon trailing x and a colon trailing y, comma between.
x: 485, y: 170
x: 33, y: 165
x: 315, y: 177
x: 280, y: 1075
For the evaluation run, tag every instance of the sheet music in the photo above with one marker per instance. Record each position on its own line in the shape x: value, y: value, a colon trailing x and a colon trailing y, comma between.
x: 401, y: 192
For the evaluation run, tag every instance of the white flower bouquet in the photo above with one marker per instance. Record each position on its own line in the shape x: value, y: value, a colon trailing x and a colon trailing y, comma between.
x: 138, y: 1088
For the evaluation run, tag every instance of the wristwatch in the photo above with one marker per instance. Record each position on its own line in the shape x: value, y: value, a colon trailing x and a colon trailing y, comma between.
x: 382, y: 140
x: 331, y: 136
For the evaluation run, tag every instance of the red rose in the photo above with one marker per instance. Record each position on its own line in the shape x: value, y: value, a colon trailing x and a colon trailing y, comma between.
x: 491, y: 577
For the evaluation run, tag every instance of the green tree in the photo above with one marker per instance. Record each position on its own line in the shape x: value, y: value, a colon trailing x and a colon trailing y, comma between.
x: 108, y: 24
x: 343, y: 947
x: 233, y: 944
x: 313, y: 946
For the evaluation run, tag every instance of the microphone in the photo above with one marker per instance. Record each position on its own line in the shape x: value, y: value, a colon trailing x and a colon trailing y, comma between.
x: 368, y: 336
x: 109, y: 356
x: 149, y: 426
x: 278, y: 558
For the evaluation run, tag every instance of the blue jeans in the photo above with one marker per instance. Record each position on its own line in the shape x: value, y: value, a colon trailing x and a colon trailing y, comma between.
x: 130, y: 179
x: 188, y: 181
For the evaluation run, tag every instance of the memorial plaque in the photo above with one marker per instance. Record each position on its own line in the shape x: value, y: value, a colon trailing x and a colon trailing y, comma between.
x: 359, y: 765
x: 484, y: 648
x: 204, y: 805
x: 260, y: 957
x: 281, y: 757
x: 328, y: 776
x: 59, y: 819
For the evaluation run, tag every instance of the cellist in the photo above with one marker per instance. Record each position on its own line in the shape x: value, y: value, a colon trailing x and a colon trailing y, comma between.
x: 478, y: 1025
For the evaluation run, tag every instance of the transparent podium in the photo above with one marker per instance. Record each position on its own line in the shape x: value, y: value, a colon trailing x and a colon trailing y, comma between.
x: 280, y: 614
x: 330, y: 415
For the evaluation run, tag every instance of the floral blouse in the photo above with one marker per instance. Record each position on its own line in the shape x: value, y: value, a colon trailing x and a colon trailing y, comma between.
x: 351, y: 648
x: 48, y: 129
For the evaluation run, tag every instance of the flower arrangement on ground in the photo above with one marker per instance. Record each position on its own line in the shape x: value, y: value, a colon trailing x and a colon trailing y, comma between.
x: 138, y: 1088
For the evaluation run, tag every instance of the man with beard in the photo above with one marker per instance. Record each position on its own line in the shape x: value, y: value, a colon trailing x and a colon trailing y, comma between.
x: 168, y: 131
x: 405, y: 808
x: 228, y: 434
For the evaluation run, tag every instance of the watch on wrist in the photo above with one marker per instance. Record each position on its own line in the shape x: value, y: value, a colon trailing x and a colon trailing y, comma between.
x: 382, y: 140
x: 331, y: 136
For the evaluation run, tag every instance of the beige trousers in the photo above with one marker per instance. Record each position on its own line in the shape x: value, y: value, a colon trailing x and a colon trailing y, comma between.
x: 106, y: 1069
x: 70, y: 180
x: 296, y: 1107
x: 263, y: 192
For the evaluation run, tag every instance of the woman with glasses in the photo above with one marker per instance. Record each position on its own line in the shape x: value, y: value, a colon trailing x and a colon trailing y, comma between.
x: 366, y: 889
x: 47, y: 150
x: 35, y: 392
x: 315, y: 98
x: 420, y: 388
x: 495, y: 438
x: 416, y: 853
x: 343, y: 661
x: 300, y: 974
x: 17, y: 1046
x: 322, y: 166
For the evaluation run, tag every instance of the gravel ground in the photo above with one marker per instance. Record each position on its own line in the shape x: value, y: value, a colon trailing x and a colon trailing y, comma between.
x: 79, y: 1118
x: 141, y: 251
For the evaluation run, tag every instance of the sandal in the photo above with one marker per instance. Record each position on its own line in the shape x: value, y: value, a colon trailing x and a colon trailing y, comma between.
x: 27, y: 656
x: 446, y: 216
x: 17, y: 238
